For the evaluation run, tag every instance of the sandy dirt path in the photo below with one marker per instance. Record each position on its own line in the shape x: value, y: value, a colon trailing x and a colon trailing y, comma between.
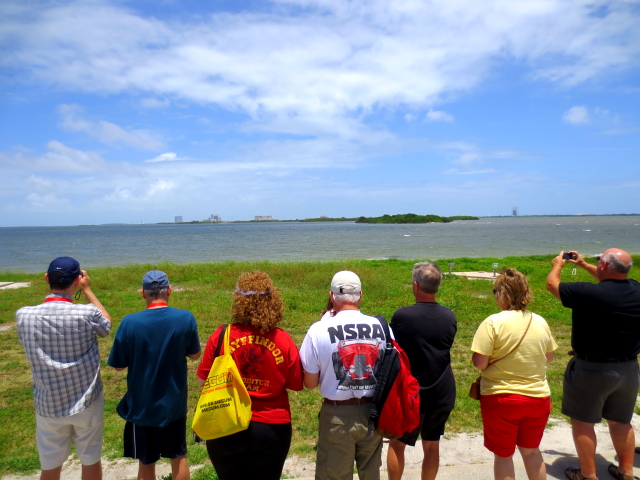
x: 455, y: 450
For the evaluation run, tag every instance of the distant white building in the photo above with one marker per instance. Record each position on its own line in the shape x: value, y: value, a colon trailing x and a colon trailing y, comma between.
x: 178, y: 218
x: 262, y: 218
x: 215, y: 218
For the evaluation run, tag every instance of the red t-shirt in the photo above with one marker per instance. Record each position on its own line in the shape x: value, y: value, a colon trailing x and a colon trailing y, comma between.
x: 269, y: 364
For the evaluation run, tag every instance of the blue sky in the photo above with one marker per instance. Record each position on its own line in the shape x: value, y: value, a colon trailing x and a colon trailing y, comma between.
x: 122, y: 111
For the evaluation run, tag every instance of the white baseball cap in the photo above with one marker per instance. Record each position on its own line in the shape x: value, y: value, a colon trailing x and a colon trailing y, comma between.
x: 346, y: 282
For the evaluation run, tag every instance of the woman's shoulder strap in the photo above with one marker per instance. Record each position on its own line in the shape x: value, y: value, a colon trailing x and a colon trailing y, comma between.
x: 223, y: 328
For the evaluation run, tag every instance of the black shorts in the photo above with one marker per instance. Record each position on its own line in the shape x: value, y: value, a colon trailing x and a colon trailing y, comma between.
x: 431, y: 428
x: 148, y: 444
x: 593, y: 391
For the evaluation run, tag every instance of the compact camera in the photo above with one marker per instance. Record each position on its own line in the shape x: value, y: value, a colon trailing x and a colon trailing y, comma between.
x: 567, y: 256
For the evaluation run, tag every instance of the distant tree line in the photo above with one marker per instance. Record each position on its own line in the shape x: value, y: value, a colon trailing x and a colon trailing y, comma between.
x: 413, y: 218
x: 328, y: 219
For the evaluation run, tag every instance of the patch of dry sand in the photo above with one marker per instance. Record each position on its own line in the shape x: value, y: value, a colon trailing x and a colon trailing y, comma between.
x: 460, y: 449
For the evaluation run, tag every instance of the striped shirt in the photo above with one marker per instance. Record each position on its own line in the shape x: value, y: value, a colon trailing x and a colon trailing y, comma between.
x: 60, y: 341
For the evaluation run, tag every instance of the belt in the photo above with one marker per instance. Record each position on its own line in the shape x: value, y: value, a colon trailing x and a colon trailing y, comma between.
x: 351, y: 401
x: 591, y: 358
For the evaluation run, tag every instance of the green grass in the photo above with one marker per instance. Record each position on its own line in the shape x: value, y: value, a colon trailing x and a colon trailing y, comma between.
x: 206, y: 290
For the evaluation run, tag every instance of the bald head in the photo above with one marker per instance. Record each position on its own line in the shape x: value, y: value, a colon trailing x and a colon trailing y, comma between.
x: 618, y: 261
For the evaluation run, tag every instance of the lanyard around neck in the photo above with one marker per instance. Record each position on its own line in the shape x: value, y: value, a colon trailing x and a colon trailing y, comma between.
x: 158, y: 304
x: 58, y: 299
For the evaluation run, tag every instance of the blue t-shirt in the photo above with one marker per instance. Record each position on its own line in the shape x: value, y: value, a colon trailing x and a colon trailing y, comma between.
x: 153, y: 345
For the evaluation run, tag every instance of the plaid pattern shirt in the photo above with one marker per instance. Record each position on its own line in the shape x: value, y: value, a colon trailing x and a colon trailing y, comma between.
x: 60, y: 341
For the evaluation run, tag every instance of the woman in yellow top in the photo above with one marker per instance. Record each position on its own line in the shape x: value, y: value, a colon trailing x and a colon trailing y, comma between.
x: 515, y: 401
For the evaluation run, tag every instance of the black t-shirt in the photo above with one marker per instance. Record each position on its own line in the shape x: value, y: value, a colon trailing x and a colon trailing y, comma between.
x: 605, y: 316
x: 425, y: 331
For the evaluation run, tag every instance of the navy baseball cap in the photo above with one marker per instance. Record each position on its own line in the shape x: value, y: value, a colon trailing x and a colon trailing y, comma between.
x: 155, y: 279
x: 64, y: 269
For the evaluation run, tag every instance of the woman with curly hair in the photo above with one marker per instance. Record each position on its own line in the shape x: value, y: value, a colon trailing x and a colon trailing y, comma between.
x: 512, y: 349
x: 269, y: 364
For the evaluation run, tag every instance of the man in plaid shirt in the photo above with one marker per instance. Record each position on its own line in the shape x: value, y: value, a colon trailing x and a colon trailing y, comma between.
x: 59, y: 338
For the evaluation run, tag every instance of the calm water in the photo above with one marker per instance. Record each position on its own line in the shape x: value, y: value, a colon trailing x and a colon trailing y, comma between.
x: 31, y: 249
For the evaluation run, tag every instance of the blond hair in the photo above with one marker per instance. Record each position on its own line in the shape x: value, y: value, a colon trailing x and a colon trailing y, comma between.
x: 513, y: 286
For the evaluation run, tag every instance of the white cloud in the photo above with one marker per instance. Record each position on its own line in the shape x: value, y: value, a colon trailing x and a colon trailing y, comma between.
x: 60, y: 170
x: 120, y: 195
x: 41, y: 184
x: 605, y: 115
x: 457, y: 171
x: 107, y: 132
x: 463, y: 153
x: 578, y: 115
x: 63, y: 159
x: 619, y: 131
x: 506, y: 154
x: 159, y: 187
x: 438, y: 116
x: 468, y: 158
x: 468, y: 154
x: 154, y: 103
x: 47, y: 203
x: 164, y: 157
x: 326, y: 73
x: 581, y: 115
x: 85, y: 178
x: 320, y: 61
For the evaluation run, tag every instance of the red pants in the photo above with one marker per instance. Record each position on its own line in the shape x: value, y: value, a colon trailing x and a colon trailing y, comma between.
x: 511, y: 420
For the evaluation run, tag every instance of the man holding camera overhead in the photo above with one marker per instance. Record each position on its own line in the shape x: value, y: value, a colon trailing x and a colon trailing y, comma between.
x: 601, y: 380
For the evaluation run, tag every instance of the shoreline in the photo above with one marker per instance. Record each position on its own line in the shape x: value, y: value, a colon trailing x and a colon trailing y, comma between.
x: 442, y: 262
x: 333, y: 220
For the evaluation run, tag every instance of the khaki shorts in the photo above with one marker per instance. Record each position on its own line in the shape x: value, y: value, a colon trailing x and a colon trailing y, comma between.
x: 342, y: 439
x: 54, y: 434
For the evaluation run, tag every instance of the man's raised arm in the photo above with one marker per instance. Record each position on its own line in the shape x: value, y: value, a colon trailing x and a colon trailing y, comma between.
x: 553, y: 279
x: 85, y: 286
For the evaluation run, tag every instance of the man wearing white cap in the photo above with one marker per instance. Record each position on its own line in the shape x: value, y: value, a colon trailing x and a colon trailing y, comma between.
x: 339, y: 354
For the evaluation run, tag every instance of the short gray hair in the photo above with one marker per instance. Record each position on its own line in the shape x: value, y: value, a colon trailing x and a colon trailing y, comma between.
x: 156, y: 293
x: 615, y: 264
x: 428, y: 276
x: 342, y: 298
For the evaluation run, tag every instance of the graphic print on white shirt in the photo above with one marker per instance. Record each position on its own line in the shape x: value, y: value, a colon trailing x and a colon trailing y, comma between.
x: 344, y: 350
x: 354, y: 362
